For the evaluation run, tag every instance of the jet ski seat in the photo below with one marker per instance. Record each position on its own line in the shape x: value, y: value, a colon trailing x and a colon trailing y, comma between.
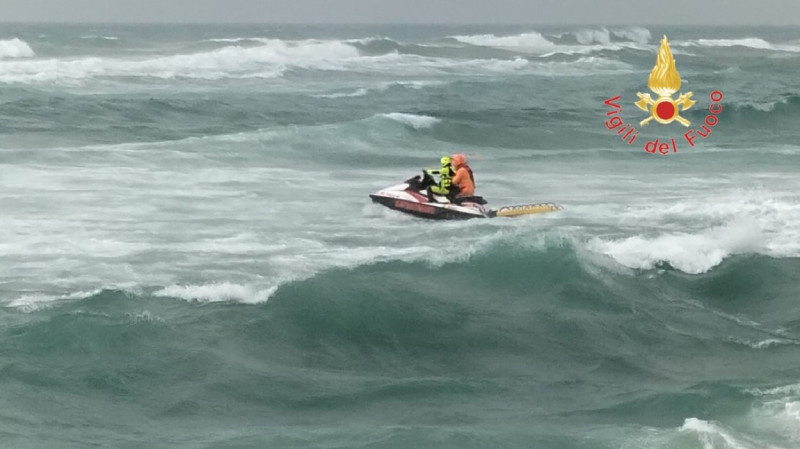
x: 470, y: 199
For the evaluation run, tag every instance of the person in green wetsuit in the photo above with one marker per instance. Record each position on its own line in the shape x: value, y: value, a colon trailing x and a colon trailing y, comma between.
x: 445, y: 186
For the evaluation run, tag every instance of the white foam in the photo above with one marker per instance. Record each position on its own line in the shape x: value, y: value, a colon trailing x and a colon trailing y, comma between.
x: 358, y: 93
x: 144, y: 317
x: 589, y: 49
x: 105, y: 38
x: 38, y: 301
x: 604, y: 36
x: 763, y: 344
x: 413, y: 120
x: 15, y: 48
x: 369, y: 40
x: 414, y: 84
x: 265, y: 61
x: 749, y: 42
x: 236, y: 40
x: 760, y: 44
x: 772, y: 342
x: 770, y: 210
x: 792, y: 412
x: 501, y: 65
x: 306, y: 258
x: 272, y: 58
x: 772, y: 423
x: 765, y: 105
x: 691, y: 253
x: 219, y: 292
x: 792, y: 389
x: 781, y: 418
x: 532, y: 41
x: 635, y: 34
x: 591, y: 41
x: 714, y: 436
x: 584, y: 66
x: 592, y: 64
x: 586, y: 37
x: 382, y: 87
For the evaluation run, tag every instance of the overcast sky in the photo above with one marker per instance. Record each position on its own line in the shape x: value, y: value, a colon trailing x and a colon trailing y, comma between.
x: 628, y: 12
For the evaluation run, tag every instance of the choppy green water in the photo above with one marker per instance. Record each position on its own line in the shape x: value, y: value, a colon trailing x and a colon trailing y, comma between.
x: 188, y: 256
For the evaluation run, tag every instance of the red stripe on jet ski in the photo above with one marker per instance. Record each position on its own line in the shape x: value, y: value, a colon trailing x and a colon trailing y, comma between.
x: 416, y: 207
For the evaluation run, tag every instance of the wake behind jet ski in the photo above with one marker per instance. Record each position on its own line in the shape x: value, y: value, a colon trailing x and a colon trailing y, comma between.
x: 412, y: 197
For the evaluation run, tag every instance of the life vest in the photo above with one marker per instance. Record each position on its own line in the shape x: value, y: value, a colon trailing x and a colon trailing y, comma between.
x: 466, y: 187
x: 446, y: 177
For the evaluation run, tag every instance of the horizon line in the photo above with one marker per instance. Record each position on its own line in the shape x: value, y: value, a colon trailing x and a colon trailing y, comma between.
x: 640, y: 25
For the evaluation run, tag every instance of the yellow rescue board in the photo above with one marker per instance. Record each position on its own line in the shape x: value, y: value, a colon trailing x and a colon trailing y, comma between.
x: 526, y: 209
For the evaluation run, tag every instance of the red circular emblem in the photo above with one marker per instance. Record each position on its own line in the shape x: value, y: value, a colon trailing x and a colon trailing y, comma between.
x: 665, y: 110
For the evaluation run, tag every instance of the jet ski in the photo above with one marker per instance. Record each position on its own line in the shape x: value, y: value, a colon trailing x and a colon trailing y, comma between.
x: 411, y: 197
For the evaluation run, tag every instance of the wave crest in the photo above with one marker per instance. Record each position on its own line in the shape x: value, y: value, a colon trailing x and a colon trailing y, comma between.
x: 15, y: 48
x: 220, y: 292
x: 413, y: 120
x: 269, y: 60
x: 273, y: 58
x: 605, y: 36
x: 583, y: 42
x: 532, y: 40
x: 690, y: 253
x: 748, y: 42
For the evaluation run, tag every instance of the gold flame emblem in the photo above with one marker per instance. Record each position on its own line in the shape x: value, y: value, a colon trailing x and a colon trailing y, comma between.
x: 664, y: 80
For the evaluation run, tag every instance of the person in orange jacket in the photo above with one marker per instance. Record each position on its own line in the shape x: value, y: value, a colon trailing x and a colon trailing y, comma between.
x: 464, y: 180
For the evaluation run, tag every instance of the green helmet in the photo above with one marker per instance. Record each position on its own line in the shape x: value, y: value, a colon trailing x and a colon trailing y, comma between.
x: 445, y: 161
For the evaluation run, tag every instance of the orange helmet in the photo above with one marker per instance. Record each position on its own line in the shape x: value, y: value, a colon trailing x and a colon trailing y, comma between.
x: 459, y: 160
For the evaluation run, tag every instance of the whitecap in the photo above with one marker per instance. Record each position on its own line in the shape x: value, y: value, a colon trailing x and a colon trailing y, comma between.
x: 218, y: 292
x: 532, y: 41
x: 691, y: 253
x: 413, y: 120
x: 15, y: 48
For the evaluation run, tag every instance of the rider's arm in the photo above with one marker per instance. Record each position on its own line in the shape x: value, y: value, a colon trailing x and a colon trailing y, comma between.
x: 459, y: 177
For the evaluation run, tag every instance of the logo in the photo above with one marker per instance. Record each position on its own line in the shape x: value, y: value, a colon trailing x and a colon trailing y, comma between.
x: 664, y: 81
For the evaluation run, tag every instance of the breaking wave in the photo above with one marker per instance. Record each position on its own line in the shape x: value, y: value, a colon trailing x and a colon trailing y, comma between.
x: 382, y: 87
x: 275, y: 59
x: 582, y: 42
x: 225, y: 291
x: 749, y: 42
x: 413, y: 120
x: 605, y: 36
x: 105, y: 38
x: 760, y: 110
x: 530, y: 41
x: 265, y: 61
x: 692, y: 253
x: 15, y: 48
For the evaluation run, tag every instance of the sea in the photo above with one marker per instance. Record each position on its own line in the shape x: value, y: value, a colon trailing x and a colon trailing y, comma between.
x: 189, y: 257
